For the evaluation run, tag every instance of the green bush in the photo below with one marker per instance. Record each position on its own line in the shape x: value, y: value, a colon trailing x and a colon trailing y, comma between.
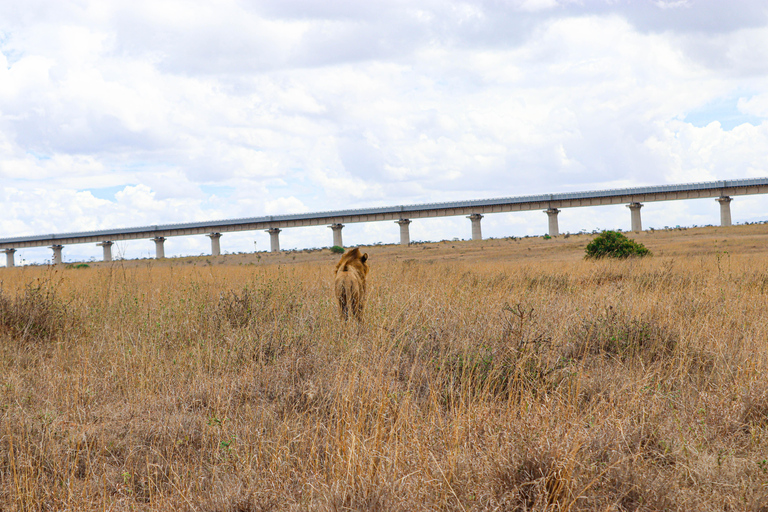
x: 337, y: 249
x: 615, y: 245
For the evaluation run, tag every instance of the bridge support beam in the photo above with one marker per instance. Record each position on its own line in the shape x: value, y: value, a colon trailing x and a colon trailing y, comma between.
x: 405, y: 235
x: 106, y: 247
x: 159, y: 247
x: 637, y: 222
x: 477, y: 232
x: 9, y: 257
x: 337, y: 234
x: 274, y: 239
x: 57, y: 259
x: 215, y: 245
x: 725, y: 210
x: 554, y: 229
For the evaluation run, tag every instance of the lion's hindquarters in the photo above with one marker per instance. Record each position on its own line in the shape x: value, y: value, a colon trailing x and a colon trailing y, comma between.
x: 349, y: 293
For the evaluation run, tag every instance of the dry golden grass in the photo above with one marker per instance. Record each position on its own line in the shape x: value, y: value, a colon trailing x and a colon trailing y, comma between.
x: 498, y: 375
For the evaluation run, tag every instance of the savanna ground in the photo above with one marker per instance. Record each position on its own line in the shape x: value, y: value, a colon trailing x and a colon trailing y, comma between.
x: 493, y: 375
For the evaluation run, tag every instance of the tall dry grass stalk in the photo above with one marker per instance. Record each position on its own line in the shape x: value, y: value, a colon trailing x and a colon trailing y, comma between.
x: 570, y: 385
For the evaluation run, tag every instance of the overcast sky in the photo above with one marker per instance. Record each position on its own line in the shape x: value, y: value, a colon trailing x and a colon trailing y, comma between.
x: 119, y: 113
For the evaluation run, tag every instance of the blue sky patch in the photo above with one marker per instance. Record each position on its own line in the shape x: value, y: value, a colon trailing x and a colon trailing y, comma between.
x: 107, y: 193
x: 38, y: 156
x: 217, y: 190
x: 723, y: 110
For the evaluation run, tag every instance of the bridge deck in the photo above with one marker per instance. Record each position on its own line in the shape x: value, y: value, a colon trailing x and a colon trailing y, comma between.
x: 415, y: 211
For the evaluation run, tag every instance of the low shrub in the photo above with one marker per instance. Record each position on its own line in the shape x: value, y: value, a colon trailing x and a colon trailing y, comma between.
x: 337, y: 249
x: 613, y: 244
x: 35, y: 313
x: 618, y: 335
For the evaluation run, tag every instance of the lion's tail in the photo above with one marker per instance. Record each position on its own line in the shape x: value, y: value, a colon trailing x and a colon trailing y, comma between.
x: 348, y: 295
x: 341, y: 293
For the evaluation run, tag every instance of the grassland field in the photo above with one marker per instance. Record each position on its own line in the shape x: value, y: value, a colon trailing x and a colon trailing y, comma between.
x: 508, y: 375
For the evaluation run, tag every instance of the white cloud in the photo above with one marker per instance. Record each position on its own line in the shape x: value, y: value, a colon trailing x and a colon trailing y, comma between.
x: 756, y: 105
x: 284, y: 205
x: 537, y: 5
x: 699, y: 154
x: 307, y: 106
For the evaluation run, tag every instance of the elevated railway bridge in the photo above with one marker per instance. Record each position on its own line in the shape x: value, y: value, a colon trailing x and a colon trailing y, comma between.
x: 403, y: 215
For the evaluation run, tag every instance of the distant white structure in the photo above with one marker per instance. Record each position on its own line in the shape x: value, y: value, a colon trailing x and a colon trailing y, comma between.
x: 402, y: 215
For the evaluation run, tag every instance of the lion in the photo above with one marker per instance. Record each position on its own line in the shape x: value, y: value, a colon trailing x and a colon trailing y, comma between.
x: 349, y: 285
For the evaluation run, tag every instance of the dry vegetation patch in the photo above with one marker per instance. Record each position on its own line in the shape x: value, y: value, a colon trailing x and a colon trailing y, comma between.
x: 36, y: 312
x: 472, y: 385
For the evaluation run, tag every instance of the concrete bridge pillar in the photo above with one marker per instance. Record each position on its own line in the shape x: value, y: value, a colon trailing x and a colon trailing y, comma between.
x: 405, y: 236
x: 9, y: 257
x: 106, y: 246
x: 215, y: 245
x: 637, y: 223
x: 274, y: 239
x: 477, y: 232
x: 554, y: 229
x: 725, y: 210
x: 57, y: 260
x: 159, y: 247
x: 337, y: 234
